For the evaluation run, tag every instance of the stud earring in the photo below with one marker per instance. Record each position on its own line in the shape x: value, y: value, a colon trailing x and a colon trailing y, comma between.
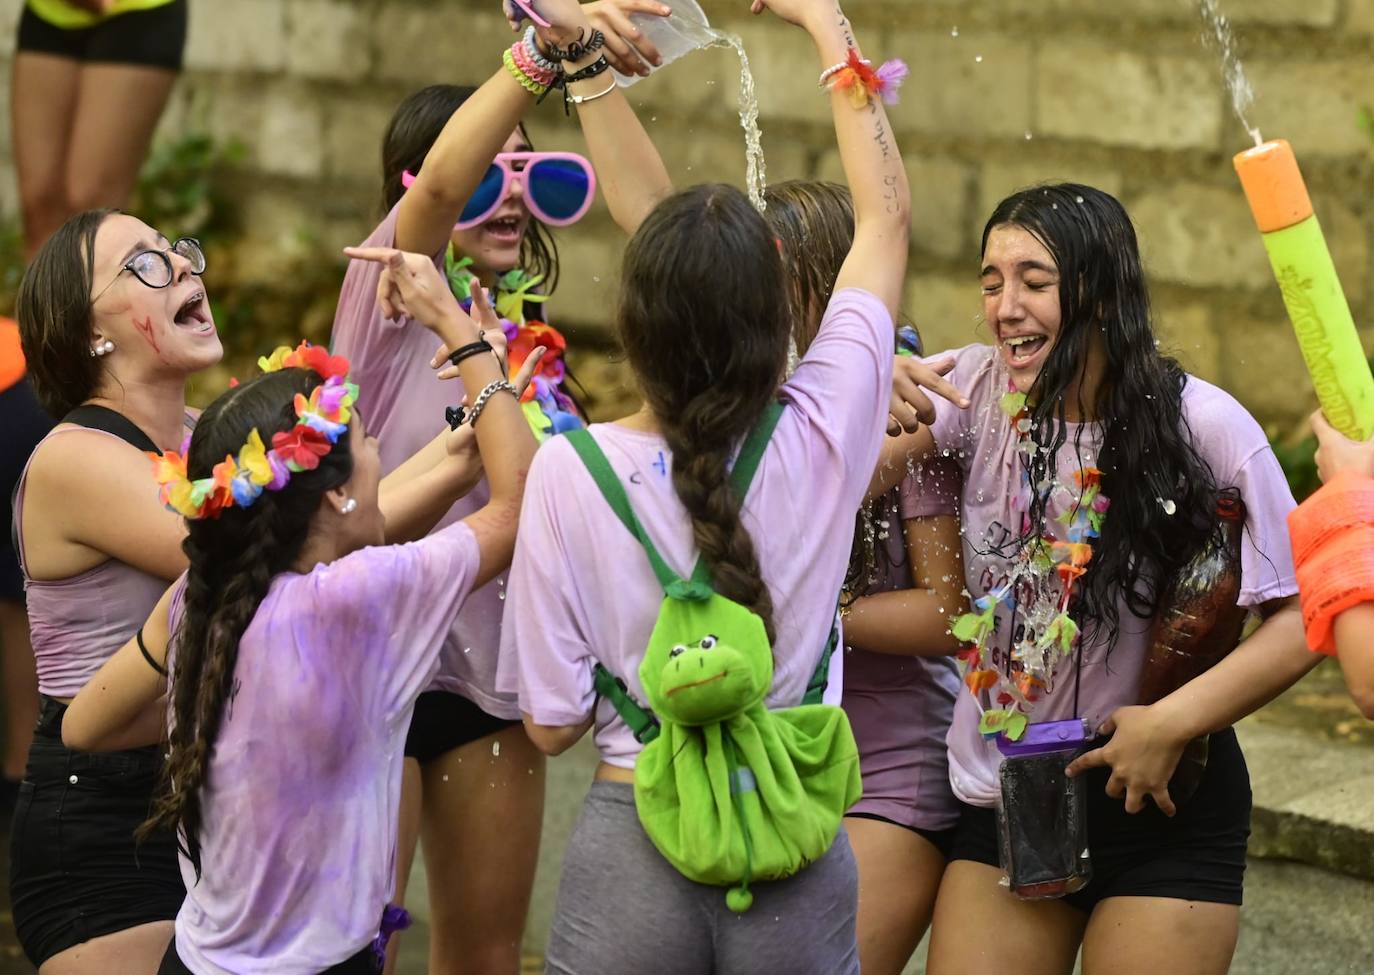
x: 349, y: 506
x: 102, y: 348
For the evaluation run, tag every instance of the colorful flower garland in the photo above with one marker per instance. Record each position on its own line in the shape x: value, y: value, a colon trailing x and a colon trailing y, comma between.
x: 1051, y: 634
x: 547, y: 407
x: 239, y: 481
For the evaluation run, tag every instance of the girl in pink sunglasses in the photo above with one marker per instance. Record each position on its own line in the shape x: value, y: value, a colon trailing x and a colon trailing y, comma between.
x: 463, y: 183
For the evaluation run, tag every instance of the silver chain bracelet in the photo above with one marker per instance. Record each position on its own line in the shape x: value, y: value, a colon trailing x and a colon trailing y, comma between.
x: 496, y: 386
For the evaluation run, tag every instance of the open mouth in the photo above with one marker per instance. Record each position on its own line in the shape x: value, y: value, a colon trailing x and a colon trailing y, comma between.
x: 505, y: 229
x: 1023, y: 348
x: 194, y: 314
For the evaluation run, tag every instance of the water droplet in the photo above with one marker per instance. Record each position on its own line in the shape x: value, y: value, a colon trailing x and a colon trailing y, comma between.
x: 1078, y: 199
x: 1168, y: 505
x: 978, y: 59
x: 496, y: 748
x: 1029, y: 136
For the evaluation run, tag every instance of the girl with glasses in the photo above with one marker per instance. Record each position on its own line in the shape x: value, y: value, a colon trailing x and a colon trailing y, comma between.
x: 463, y: 185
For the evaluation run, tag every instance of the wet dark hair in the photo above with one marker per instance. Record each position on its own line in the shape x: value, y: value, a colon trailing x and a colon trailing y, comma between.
x: 54, y: 311
x: 411, y: 134
x: 1147, y: 455
x: 704, y: 321
x: 233, y: 560
x: 814, y: 222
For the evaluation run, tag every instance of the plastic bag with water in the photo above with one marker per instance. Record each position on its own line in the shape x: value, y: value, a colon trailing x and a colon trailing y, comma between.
x: 685, y: 31
x: 1042, y: 822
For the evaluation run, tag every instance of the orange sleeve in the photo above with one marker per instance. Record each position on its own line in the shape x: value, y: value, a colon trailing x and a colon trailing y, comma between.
x: 11, y: 355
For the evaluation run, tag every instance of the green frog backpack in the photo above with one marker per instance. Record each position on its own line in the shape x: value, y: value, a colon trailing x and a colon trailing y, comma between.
x: 727, y: 790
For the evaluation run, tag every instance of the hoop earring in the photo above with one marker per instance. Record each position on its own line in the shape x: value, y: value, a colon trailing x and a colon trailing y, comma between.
x: 102, y: 348
x: 349, y: 506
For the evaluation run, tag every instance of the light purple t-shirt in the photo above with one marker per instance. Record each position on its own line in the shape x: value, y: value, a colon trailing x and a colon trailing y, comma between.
x: 581, y: 588
x: 403, y: 405
x: 298, y: 842
x: 1224, y: 435
x: 900, y: 707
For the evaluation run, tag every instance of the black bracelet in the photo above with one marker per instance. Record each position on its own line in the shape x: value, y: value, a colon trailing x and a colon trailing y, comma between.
x: 454, y: 416
x: 578, y: 49
x: 148, y: 656
x: 599, y: 66
x: 469, y: 350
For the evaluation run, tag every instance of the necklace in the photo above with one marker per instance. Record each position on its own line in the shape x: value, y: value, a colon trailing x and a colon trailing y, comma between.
x: 1039, y: 590
x: 547, y: 406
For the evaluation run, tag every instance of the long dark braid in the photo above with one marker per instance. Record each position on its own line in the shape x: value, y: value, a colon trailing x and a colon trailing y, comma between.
x: 704, y: 322
x: 233, y: 560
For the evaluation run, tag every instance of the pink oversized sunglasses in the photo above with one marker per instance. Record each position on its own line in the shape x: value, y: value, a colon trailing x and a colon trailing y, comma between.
x: 558, y: 186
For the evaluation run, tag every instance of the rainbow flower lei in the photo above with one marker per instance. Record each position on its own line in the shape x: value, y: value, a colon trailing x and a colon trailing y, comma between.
x: 1051, y: 634
x: 322, y: 418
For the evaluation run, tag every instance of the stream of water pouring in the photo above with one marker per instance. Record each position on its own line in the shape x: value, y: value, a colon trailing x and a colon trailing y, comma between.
x: 1232, y: 71
x: 755, y: 172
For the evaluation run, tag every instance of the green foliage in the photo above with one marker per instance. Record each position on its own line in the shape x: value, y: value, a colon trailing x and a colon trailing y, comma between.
x: 11, y: 264
x: 180, y: 186
x: 1297, y: 458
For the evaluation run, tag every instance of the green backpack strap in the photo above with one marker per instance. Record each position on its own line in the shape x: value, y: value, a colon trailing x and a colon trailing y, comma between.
x: 815, y: 687
x: 612, y: 688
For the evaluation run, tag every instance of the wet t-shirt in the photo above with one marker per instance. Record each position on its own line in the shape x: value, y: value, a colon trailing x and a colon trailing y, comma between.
x: 992, y: 505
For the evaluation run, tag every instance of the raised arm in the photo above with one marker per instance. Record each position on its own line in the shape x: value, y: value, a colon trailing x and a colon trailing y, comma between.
x: 629, y: 169
x: 415, y: 287
x: 868, y: 150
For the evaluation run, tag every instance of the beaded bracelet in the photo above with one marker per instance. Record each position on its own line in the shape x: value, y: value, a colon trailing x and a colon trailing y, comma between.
x: 835, y: 69
x: 524, y: 80
x: 496, y: 386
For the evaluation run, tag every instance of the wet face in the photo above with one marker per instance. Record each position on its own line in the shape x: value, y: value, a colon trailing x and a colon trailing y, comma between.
x: 494, y: 246
x: 1021, y: 301
x: 167, y: 330
x: 365, y: 525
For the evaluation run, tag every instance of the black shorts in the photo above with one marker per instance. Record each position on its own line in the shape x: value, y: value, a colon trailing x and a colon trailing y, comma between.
x: 1198, y: 855
x: 363, y: 963
x: 76, y: 872
x: 445, y: 721
x: 941, y: 839
x: 152, y: 38
x: 25, y: 425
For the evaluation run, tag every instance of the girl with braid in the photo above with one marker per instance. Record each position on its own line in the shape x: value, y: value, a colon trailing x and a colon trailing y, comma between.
x: 297, y: 646
x: 705, y: 321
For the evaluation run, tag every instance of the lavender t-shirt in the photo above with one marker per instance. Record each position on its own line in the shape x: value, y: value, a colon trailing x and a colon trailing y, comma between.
x: 581, y: 589
x: 403, y: 404
x: 900, y: 707
x: 298, y: 844
x: 1224, y: 435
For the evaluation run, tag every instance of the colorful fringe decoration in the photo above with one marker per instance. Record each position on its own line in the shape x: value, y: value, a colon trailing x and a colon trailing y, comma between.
x: 863, y: 82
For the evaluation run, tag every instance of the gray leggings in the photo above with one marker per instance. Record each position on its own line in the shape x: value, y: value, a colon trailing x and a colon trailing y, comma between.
x: 624, y: 910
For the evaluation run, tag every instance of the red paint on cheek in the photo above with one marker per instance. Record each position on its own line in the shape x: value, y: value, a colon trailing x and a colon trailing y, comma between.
x: 145, y: 328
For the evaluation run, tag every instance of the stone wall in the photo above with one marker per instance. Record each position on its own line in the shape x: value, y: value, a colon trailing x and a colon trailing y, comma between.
x: 1004, y: 93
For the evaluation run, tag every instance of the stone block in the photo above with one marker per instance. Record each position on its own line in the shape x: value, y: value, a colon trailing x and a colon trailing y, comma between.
x: 354, y: 125
x: 327, y: 39
x: 1100, y: 93
x: 703, y: 153
x: 1263, y: 368
x: 245, y: 35
x: 291, y: 134
x: 706, y: 82
x: 783, y: 63
x: 428, y: 44
x: 1185, y: 332
x: 973, y: 85
x: 228, y: 107
x: 275, y: 220
x: 9, y: 189
x: 946, y: 309
x: 589, y: 274
x: 1359, y: 16
x: 1200, y: 235
x: 9, y: 16
x: 998, y: 180
x: 940, y: 190
x: 1315, y: 105
x: 6, y: 137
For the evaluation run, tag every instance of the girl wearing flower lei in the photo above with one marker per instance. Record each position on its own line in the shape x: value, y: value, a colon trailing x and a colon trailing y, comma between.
x: 299, y: 642
x: 474, y: 784
x: 1092, y: 464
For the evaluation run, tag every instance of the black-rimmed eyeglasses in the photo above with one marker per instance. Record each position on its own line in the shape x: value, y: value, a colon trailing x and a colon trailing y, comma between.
x: 154, y: 267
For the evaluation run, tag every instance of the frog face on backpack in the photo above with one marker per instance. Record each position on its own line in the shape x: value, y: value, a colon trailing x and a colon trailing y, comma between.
x: 707, y: 660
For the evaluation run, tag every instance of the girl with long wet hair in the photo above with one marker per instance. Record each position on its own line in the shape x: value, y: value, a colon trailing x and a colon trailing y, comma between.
x: 905, y: 579
x: 462, y: 182
x: 297, y: 646
x: 1092, y: 464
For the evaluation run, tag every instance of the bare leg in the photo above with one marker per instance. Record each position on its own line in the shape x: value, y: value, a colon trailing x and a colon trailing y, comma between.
x: 405, y: 850
x: 116, y: 112
x: 134, y: 951
x: 42, y: 103
x: 899, y: 875
x: 21, y: 687
x: 483, y: 813
x: 1149, y: 935
x: 981, y: 929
